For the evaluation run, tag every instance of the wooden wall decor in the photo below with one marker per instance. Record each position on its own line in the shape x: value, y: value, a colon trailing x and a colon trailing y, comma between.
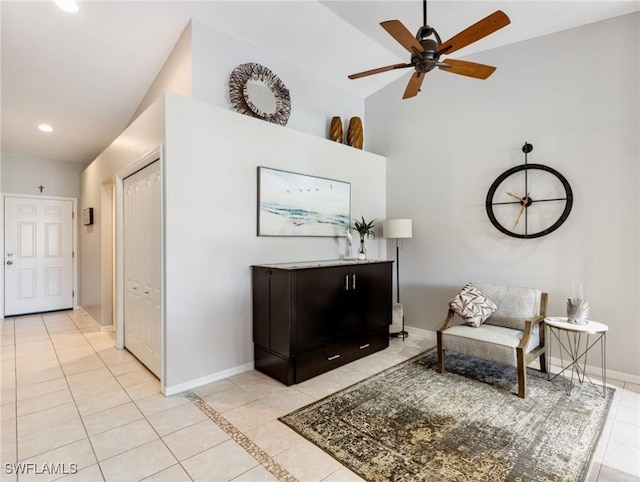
x: 355, y: 134
x: 335, y: 132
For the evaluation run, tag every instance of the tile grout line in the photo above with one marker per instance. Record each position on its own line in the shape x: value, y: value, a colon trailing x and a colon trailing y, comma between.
x: 247, y: 444
x: 15, y: 389
x: 75, y: 403
x: 89, y: 439
x: 131, y: 400
x: 81, y: 417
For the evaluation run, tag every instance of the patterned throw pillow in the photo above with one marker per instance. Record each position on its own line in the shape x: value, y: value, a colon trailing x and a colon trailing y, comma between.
x: 472, y: 305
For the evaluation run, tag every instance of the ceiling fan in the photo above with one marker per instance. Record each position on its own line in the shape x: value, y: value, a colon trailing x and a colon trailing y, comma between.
x: 426, y: 51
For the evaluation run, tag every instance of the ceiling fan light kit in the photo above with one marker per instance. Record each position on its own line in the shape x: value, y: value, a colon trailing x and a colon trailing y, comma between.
x: 427, y: 47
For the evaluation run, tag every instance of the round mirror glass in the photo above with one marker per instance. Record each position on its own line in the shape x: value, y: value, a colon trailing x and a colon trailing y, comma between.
x: 260, y: 95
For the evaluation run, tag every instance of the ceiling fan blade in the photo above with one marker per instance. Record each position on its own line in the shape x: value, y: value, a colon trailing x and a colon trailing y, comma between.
x: 413, y: 87
x: 470, y: 69
x: 475, y: 32
x: 398, y: 31
x: 379, y: 70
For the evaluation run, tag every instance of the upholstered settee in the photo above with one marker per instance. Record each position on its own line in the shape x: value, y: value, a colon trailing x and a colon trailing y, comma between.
x: 512, y: 335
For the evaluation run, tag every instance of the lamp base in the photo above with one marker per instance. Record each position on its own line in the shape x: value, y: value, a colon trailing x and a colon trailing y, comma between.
x: 398, y: 317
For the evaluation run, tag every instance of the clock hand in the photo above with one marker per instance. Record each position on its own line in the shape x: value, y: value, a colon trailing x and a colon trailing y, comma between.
x: 513, y: 195
x: 518, y: 218
x: 524, y: 205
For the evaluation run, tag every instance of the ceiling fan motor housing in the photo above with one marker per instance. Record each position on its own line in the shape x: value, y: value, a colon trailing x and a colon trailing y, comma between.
x: 427, y: 60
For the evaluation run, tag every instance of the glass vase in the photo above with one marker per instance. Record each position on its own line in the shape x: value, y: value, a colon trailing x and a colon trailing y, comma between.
x: 362, y: 251
x: 577, y: 306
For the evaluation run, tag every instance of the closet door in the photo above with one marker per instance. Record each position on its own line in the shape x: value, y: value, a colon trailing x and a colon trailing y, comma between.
x: 142, y: 266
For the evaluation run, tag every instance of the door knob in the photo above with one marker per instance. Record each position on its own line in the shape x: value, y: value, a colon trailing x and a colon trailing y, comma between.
x: 9, y: 262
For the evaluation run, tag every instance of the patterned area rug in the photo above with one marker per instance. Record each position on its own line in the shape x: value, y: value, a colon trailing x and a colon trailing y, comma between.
x: 410, y: 423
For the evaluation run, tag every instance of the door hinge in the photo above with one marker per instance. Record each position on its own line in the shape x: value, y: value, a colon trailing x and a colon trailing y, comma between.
x: 73, y: 214
x: 73, y: 294
x: 73, y: 254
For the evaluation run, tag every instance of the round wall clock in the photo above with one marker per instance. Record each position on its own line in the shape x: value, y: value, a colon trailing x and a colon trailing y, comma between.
x: 529, y: 200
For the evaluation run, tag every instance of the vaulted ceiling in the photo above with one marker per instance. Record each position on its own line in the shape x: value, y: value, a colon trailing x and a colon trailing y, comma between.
x: 87, y: 72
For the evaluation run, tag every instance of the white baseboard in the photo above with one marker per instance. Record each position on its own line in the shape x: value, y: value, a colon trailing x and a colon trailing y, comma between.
x: 92, y: 320
x: 173, y: 389
x: 592, y: 370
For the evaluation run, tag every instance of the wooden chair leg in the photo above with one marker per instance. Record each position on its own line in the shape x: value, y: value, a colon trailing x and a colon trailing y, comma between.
x: 440, y: 354
x: 542, y: 331
x: 522, y: 374
x: 543, y: 363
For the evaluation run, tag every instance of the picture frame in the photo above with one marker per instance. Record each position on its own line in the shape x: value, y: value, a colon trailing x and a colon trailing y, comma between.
x: 294, y: 204
x: 87, y: 216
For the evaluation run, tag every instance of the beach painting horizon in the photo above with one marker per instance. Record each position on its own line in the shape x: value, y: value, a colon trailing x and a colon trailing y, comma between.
x: 292, y: 204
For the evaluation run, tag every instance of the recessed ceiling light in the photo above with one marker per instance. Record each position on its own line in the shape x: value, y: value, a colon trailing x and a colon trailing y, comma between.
x: 70, y: 6
x: 45, y: 128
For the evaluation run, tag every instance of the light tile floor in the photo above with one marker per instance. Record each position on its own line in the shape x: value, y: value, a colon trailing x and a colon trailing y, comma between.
x: 69, y: 397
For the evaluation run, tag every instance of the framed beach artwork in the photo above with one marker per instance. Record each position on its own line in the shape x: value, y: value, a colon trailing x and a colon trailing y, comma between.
x: 291, y: 204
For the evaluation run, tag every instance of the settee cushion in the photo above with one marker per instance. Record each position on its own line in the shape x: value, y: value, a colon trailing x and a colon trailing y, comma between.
x: 490, y: 342
x: 472, y: 305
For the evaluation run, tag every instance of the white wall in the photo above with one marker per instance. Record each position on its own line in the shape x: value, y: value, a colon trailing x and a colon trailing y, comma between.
x: 175, y: 75
x: 23, y: 174
x: 202, y: 61
x: 574, y: 95
x: 211, y: 163
x: 142, y: 136
x: 313, y: 101
x: 212, y: 154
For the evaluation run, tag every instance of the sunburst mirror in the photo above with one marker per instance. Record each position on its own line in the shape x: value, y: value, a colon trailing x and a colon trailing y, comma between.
x: 256, y: 91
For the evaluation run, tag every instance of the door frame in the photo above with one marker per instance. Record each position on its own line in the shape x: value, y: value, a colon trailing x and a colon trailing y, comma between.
x: 74, y: 226
x: 156, y: 154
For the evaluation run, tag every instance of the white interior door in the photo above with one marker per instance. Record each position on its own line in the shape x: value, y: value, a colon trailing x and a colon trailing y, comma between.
x: 142, y: 266
x: 38, y: 262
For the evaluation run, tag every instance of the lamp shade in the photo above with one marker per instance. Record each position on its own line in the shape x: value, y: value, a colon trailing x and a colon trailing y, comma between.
x: 397, y: 228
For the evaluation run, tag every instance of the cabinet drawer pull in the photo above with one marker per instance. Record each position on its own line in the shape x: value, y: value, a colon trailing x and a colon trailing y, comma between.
x: 354, y: 281
x: 346, y: 282
x: 367, y: 345
x: 334, y: 357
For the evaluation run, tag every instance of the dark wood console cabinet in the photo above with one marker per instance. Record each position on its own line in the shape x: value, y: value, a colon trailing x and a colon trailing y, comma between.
x: 309, y: 318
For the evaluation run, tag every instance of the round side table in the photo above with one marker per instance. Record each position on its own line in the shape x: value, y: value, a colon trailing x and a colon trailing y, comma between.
x: 575, y: 345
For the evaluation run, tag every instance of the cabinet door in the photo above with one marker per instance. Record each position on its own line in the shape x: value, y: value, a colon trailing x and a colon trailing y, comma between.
x: 371, y: 295
x: 320, y: 306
